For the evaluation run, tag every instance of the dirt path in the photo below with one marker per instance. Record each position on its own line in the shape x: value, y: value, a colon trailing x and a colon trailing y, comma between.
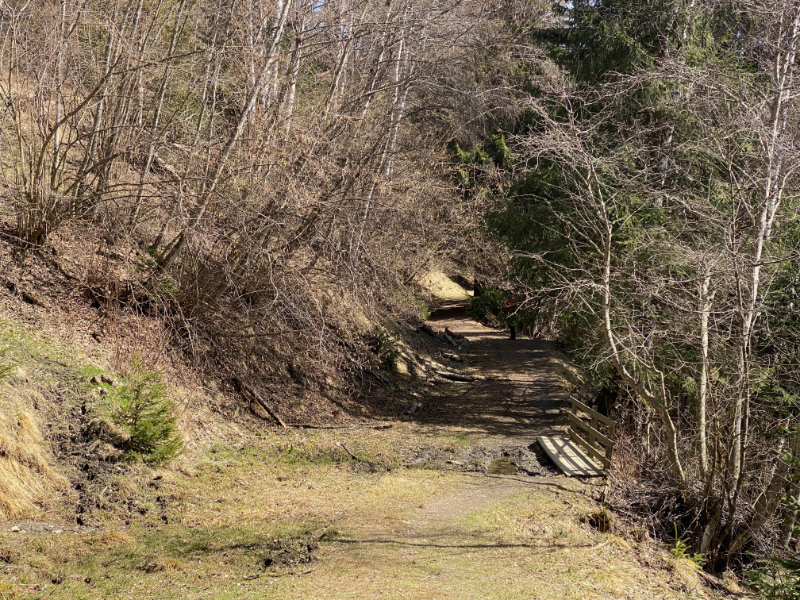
x: 460, y: 531
x: 477, y: 535
x: 522, y: 396
x: 519, y: 399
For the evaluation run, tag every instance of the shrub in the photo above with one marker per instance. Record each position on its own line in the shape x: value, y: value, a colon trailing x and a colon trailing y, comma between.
x: 141, y: 407
x: 776, y: 579
x: 385, y: 348
x: 488, y: 307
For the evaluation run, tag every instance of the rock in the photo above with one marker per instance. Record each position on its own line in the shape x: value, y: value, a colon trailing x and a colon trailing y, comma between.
x: 106, y: 378
x: 16, y: 529
x: 400, y: 366
x: 96, y: 380
x: 601, y: 520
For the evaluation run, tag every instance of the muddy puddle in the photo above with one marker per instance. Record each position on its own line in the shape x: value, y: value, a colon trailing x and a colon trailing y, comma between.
x: 502, y: 466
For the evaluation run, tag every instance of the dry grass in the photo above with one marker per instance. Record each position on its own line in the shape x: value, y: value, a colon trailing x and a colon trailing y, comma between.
x: 397, y: 533
x: 441, y: 287
x: 570, y: 377
x: 28, y: 480
x: 204, y: 527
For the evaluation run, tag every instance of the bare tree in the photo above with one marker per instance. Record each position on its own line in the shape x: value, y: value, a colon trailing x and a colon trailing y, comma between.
x: 680, y: 270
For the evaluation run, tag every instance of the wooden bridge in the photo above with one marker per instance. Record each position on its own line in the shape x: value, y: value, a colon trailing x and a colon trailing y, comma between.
x: 586, y: 452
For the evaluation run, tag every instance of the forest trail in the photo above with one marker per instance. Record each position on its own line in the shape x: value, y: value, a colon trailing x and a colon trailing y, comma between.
x: 516, y: 398
x: 522, y: 394
x: 516, y: 535
x: 416, y: 511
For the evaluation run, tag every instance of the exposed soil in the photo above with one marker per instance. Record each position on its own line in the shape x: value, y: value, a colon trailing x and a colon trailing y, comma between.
x: 516, y: 396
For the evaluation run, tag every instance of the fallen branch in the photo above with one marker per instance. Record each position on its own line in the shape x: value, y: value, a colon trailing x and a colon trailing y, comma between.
x: 455, y: 376
x: 269, y: 411
x: 309, y: 426
x: 354, y: 457
x: 453, y: 356
x: 448, y: 336
x: 453, y: 338
x: 253, y: 396
x: 450, y: 340
x: 380, y: 377
x: 425, y: 328
x: 346, y: 449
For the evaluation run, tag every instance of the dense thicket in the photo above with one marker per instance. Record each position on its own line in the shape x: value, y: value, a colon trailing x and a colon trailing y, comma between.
x: 656, y: 223
x: 278, y: 160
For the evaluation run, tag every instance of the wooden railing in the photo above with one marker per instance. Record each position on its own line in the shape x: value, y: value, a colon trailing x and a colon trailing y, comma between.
x: 586, y: 427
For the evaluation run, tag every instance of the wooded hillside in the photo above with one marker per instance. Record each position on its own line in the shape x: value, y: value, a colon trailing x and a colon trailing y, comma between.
x: 256, y: 168
x: 269, y: 181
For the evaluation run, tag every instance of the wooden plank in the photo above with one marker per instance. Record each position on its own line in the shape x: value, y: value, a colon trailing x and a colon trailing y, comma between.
x: 594, y: 435
x: 591, y: 450
x: 578, y: 405
x: 568, y: 456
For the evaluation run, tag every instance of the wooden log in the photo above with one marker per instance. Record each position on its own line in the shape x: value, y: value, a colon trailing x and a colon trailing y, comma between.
x: 425, y: 328
x: 454, y: 338
x: 253, y: 396
x: 450, y: 340
x: 269, y: 410
x: 455, y: 376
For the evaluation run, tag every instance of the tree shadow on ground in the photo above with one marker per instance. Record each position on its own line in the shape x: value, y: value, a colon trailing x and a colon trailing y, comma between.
x: 522, y: 394
x: 418, y: 540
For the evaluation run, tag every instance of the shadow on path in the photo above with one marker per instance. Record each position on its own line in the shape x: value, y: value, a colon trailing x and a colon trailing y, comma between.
x: 522, y: 396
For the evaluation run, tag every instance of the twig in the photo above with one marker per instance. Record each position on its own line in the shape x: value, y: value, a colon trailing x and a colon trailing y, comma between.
x: 252, y: 395
x: 346, y: 449
x: 269, y: 411
x: 354, y: 457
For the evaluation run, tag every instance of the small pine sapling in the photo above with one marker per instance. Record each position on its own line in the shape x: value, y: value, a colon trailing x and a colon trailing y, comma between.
x: 140, y: 405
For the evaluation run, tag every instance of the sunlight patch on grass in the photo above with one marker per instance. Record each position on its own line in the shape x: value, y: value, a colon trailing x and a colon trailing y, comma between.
x: 441, y: 287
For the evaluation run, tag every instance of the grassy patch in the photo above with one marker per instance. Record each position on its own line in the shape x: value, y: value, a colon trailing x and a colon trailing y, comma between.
x: 144, y: 563
x: 32, y: 370
x: 287, y: 515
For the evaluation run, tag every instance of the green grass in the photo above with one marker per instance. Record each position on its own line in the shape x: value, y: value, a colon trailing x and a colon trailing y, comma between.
x: 142, y: 563
x: 228, y: 505
x: 40, y: 360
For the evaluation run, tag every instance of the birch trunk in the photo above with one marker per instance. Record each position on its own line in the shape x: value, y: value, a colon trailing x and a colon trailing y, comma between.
x: 784, y: 71
x: 262, y: 80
